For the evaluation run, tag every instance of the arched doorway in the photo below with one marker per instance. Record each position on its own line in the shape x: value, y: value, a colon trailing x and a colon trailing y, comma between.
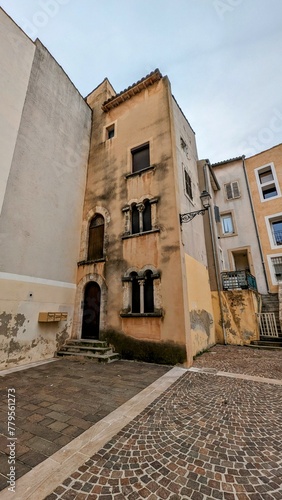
x: 91, y: 311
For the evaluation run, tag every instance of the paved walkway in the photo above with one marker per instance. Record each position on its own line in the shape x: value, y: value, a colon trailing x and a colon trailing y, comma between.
x: 210, y: 432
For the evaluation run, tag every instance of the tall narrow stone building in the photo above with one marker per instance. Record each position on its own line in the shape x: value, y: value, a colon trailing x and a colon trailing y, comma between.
x: 141, y: 272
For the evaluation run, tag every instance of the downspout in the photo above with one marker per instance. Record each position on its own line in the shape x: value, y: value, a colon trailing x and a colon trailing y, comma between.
x: 215, y: 258
x: 255, y: 223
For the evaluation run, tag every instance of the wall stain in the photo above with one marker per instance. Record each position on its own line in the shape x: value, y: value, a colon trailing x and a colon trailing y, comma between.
x: 201, y: 319
x: 9, y: 325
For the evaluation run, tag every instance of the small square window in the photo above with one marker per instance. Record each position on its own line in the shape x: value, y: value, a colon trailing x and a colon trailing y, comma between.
x: 140, y: 158
x: 232, y: 190
x: 110, y: 132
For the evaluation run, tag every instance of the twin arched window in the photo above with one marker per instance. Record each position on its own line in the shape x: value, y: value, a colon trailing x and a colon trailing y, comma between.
x: 142, y: 292
x: 141, y: 217
x: 96, y: 238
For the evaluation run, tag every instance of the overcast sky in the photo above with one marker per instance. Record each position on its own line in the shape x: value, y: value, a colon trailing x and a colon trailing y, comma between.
x: 223, y: 58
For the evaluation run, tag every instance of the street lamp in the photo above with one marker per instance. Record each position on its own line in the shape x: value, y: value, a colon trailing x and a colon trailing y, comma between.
x: 205, y: 199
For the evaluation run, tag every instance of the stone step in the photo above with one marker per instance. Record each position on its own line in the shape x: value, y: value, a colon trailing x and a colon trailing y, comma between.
x: 82, y: 348
x: 262, y: 344
x: 99, y: 358
x: 96, y: 350
x: 87, y: 342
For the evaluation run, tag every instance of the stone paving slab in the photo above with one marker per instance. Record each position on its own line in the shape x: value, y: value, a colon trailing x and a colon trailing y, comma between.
x: 245, y: 360
x: 206, y: 437
x: 56, y: 402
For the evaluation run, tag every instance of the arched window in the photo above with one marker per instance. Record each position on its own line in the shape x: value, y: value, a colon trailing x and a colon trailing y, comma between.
x: 148, y: 293
x: 96, y: 238
x: 135, y: 219
x: 135, y: 297
x: 147, y: 218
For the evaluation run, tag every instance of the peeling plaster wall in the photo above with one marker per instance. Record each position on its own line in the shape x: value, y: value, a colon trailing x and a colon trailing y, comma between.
x: 200, y: 305
x: 239, y: 308
x: 22, y: 339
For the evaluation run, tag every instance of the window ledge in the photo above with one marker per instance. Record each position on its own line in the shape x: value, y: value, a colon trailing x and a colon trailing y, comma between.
x: 228, y: 235
x: 140, y: 172
x: 156, y: 314
x: 88, y: 262
x: 126, y: 236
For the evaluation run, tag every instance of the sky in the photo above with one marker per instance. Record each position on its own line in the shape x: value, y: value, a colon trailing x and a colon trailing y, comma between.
x: 222, y: 57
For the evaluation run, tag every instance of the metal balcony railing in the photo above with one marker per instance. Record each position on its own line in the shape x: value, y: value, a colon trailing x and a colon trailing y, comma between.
x: 242, y: 280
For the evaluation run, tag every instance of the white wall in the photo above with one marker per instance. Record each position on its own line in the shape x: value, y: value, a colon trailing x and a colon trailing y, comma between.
x: 40, y: 222
x: 192, y: 232
x: 16, y: 56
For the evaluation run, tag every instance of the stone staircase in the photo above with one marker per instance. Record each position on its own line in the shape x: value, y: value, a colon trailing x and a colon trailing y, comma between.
x: 270, y: 304
x: 96, y: 350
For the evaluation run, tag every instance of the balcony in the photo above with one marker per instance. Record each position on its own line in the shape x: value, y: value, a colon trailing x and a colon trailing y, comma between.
x: 238, y: 280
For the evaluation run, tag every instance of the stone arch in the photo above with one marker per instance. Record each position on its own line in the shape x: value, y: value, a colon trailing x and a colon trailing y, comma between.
x: 78, y: 310
x: 85, y: 230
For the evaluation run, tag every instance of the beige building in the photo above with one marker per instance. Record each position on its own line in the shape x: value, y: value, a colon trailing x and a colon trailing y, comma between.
x: 141, y: 272
x: 238, y: 243
x: 264, y: 172
x: 45, y: 132
x: 234, y: 259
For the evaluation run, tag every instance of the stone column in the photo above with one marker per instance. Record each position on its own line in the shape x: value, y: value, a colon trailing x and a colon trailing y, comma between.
x: 141, y: 284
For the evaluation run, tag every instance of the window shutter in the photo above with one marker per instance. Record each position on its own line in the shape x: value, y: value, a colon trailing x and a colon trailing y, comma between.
x: 228, y: 189
x: 235, y: 189
x: 96, y: 238
x: 140, y: 158
x: 232, y: 190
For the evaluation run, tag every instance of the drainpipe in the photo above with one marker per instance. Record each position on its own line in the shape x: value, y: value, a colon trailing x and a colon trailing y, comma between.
x: 215, y: 258
x: 255, y: 224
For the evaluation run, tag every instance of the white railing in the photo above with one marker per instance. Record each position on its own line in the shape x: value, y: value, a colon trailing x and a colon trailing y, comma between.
x: 267, y: 325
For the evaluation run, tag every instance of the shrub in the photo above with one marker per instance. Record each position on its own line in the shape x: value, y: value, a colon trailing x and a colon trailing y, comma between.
x: 165, y: 353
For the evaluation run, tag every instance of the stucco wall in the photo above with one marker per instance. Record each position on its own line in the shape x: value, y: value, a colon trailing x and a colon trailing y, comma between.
x: 266, y: 208
x: 16, y: 56
x: 146, y: 117
x: 192, y: 233
x: 244, y: 236
x: 240, y: 320
x: 22, y: 339
x: 200, y: 305
x: 40, y: 223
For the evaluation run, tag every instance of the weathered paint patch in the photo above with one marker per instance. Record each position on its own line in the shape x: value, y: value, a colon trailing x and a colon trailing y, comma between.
x: 62, y: 336
x: 201, y: 320
x: 9, y: 325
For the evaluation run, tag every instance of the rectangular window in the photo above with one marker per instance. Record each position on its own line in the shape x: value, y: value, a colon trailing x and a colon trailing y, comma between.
x: 227, y: 224
x: 277, y: 266
x: 188, y: 185
x: 267, y: 182
x: 232, y: 190
x: 276, y: 227
x: 140, y: 158
x: 110, y: 132
x: 266, y: 176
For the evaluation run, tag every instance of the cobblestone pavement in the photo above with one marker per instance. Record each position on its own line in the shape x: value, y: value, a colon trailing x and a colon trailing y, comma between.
x: 206, y: 437
x: 247, y: 360
x: 58, y: 401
